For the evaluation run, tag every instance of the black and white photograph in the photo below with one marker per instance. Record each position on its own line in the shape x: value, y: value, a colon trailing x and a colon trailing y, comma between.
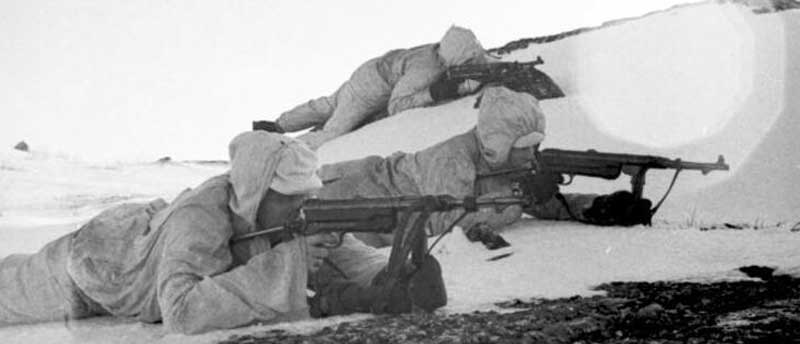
x: 277, y: 171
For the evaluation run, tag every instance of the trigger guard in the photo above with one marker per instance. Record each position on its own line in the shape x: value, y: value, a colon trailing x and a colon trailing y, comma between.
x: 568, y: 181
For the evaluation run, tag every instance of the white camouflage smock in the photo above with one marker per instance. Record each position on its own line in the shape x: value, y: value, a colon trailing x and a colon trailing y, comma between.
x: 175, y: 263
x: 382, y: 86
x: 450, y: 167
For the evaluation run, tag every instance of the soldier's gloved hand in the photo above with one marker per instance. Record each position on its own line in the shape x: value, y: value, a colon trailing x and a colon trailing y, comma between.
x: 426, y: 286
x: 541, y: 186
x: 619, y: 209
x: 418, y: 287
x: 443, y: 89
x: 270, y: 126
x: 317, y: 249
x: 421, y: 287
x: 342, y: 297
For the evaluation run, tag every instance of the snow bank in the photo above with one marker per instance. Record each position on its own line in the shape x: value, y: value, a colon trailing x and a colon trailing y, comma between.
x: 694, y: 82
x: 408, y: 131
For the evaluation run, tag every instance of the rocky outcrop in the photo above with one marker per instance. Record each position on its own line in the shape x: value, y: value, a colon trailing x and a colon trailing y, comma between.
x: 761, y: 310
x: 766, y: 6
x: 22, y: 146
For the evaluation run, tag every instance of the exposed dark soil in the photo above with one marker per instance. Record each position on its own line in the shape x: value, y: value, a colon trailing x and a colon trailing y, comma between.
x: 763, y: 311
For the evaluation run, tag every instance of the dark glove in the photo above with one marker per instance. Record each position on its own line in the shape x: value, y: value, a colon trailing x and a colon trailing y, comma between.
x: 542, y: 186
x: 426, y: 286
x: 418, y: 287
x: 269, y: 126
x: 486, y: 235
x: 443, y: 89
x: 619, y: 209
x: 342, y: 297
x: 422, y: 287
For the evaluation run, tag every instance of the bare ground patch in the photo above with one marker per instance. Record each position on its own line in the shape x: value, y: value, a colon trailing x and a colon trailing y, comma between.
x: 766, y: 310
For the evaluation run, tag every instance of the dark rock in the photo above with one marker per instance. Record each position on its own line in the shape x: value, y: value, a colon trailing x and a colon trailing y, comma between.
x: 733, y: 226
x: 22, y: 146
x: 651, y: 311
x: 164, y: 160
x: 755, y: 271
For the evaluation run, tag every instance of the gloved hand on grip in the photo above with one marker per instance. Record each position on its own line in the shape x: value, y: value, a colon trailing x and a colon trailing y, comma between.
x: 444, y: 89
x: 619, y: 209
x: 541, y: 186
x: 421, y: 287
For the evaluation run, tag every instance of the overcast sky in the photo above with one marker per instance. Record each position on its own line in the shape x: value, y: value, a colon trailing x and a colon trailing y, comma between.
x: 138, y: 80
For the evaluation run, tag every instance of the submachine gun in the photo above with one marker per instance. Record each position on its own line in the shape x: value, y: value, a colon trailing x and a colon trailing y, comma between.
x: 518, y: 76
x: 404, y: 216
x: 560, y: 166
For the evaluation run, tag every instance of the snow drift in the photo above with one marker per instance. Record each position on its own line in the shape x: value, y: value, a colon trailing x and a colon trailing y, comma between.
x: 693, y: 82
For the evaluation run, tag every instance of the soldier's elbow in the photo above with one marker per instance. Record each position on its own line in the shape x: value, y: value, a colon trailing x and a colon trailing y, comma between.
x: 393, y: 107
x: 182, y: 317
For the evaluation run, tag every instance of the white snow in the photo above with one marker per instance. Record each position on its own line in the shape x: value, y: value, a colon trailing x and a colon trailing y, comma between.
x: 44, y: 195
x: 692, y: 82
x: 560, y: 259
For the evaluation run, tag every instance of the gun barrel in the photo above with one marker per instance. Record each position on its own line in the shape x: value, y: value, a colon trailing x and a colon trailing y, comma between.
x: 594, y: 159
x: 704, y: 168
x: 337, y: 207
x: 373, y: 214
x: 473, y: 203
x: 604, y: 165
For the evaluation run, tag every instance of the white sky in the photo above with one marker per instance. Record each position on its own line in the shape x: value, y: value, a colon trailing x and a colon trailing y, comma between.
x: 138, y: 80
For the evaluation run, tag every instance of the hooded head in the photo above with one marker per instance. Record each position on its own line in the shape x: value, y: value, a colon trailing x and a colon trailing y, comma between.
x: 260, y: 161
x: 507, y: 120
x: 459, y: 45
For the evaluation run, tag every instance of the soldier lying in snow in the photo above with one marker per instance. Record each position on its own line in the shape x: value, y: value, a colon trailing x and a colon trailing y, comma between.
x: 399, y: 80
x: 509, y: 129
x: 176, y: 263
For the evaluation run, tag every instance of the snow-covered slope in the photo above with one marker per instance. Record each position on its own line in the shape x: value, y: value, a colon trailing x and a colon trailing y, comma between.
x: 45, y: 195
x: 694, y: 82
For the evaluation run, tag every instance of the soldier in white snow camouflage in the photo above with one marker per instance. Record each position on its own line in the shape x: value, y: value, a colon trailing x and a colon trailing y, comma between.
x: 510, y: 127
x: 399, y: 80
x: 176, y: 263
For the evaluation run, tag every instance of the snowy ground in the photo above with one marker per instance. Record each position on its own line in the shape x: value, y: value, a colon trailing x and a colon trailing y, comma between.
x: 45, y: 195
x: 693, y: 82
